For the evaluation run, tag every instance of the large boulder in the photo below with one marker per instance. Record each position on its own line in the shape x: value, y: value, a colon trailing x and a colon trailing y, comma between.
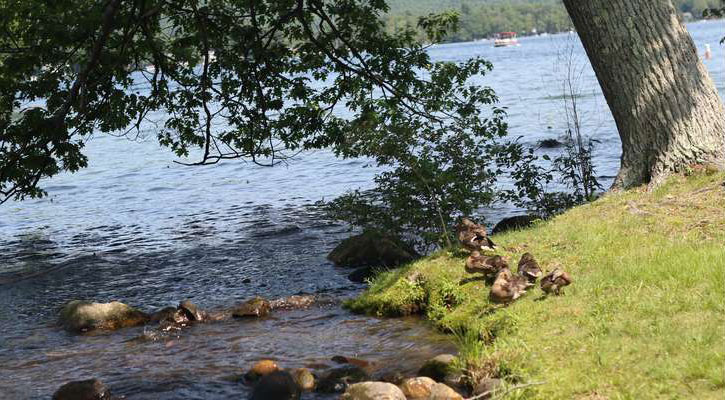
x: 514, y: 223
x: 373, y: 391
x: 84, y: 316
x: 371, y: 249
x: 91, y: 389
x: 278, y: 385
x: 254, y: 308
x: 417, y: 388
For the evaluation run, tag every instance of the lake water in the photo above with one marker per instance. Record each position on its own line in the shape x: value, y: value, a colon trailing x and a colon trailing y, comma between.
x: 138, y: 228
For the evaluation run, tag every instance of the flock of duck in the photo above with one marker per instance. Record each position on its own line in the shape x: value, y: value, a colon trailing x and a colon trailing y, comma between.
x: 507, y: 286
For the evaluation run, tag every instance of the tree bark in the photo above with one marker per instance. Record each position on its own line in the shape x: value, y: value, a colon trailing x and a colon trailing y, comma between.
x: 668, y: 112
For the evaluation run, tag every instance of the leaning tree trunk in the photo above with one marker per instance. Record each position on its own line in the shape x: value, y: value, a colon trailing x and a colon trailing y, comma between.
x: 668, y: 112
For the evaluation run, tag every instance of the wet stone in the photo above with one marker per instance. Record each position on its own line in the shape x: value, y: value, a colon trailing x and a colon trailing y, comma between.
x: 279, y: 385
x: 91, y: 389
x: 254, y: 308
x: 338, y: 379
x: 304, y: 379
x: 192, y: 312
x: 84, y: 316
x: 261, y: 368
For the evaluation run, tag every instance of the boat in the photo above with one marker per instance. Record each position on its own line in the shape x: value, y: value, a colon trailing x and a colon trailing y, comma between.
x: 505, y: 39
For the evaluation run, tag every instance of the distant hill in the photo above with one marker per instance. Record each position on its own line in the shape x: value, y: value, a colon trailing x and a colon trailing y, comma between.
x: 482, y: 18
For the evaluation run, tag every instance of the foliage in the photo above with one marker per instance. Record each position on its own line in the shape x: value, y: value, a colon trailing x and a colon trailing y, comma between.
x: 483, y: 18
x: 222, y: 79
x: 434, y: 174
x: 716, y: 13
x: 629, y: 305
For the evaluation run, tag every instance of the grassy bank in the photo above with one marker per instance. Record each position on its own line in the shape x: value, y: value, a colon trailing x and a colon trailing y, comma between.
x: 643, y: 319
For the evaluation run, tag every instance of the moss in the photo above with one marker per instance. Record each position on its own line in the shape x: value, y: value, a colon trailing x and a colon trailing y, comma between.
x: 643, y: 318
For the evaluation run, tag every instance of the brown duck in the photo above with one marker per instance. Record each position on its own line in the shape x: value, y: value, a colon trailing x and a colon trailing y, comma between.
x: 529, y: 268
x: 473, y: 236
x: 486, y: 265
x: 554, y: 281
x: 507, y: 287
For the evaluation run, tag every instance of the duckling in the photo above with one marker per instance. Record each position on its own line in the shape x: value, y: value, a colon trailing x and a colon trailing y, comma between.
x: 507, y: 287
x: 554, y: 281
x: 473, y: 236
x: 529, y: 268
x: 486, y: 265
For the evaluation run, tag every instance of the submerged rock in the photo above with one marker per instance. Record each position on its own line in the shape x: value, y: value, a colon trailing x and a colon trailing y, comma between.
x: 256, y: 307
x: 514, y: 223
x: 304, y: 379
x: 338, y: 379
x: 417, y: 388
x: 293, y: 302
x: 373, y: 391
x: 438, y: 367
x: 371, y: 249
x: 84, y: 316
x: 91, y: 389
x: 278, y: 385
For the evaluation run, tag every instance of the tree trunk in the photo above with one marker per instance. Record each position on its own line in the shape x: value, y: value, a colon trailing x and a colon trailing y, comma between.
x: 668, y: 112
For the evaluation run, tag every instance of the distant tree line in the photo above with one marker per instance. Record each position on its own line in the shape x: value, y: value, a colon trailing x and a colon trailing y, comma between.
x: 483, y: 18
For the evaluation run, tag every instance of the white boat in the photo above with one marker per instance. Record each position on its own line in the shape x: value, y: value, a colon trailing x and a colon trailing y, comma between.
x: 505, y: 39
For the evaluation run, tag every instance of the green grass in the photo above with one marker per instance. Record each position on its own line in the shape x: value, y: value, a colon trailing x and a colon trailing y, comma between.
x: 643, y: 319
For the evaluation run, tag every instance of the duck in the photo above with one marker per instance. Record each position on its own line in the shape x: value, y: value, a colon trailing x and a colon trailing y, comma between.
x: 486, y: 265
x: 554, y: 281
x: 529, y: 268
x: 508, y: 287
x: 474, y: 237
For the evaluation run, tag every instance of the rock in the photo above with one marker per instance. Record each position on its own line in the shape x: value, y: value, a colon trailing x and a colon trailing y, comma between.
x: 84, y: 316
x: 191, y: 311
x: 304, y: 379
x: 440, y: 391
x: 550, y: 144
x: 91, y: 389
x: 353, y: 361
x: 256, y: 307
x: 371, y: 249
x: 438, y: 367
x: 373, y: 391
x: 338, y: 379
x: 364, y: 274
x: 164, y: 314
x: 278, y: 385
x: 487, y: 385
x: 261, y: 368
x: 514, y: 223
x: 417, y: 388
x: 292, y: 302
x: 394, y: 377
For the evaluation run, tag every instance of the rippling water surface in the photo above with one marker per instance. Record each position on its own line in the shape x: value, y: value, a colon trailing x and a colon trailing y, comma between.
x: 138, y: 228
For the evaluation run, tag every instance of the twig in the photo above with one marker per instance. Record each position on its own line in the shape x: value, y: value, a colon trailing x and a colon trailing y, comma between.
x: 511, y: 389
